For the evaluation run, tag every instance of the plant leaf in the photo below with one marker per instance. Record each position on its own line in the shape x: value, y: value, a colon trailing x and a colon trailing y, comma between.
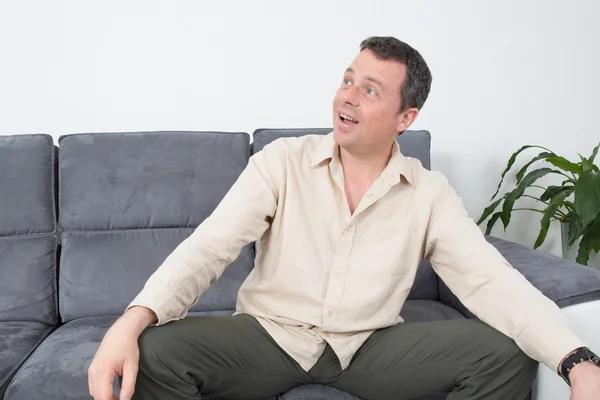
x: 556, y: 202
x: 592, y: 234
x: 575, y: 229
x: 490, y: 209
x: 590, y: 241
x: 593, y: 156
x: 540, y: 156
x: 507, y: 208
x: 585, y: 164
x: 492, y: 222
x: 583, y: 255
x: 517, y: 192
x: 587, y: 196
x: 511, y: 161
x: 551, y: 191
x: 564, y: 164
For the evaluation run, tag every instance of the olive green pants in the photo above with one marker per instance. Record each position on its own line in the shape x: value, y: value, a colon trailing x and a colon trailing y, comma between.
x: 235, y: 358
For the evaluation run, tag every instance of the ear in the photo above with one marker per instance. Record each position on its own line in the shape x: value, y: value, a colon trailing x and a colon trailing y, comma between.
x: 406, y: 118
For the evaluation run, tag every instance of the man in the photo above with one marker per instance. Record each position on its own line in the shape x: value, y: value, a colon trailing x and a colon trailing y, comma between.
x: 341, y: 222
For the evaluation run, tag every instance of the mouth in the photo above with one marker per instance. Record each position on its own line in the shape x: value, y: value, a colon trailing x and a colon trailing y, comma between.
x: 347, y: 118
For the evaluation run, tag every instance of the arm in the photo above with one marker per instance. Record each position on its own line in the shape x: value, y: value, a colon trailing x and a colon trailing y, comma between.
x: 240, y: 218
x: 488, y: 285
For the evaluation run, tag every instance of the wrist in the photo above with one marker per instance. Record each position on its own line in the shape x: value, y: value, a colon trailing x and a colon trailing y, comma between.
x: 578, y: 363
x: 138, y: 318
x: 580, y: 371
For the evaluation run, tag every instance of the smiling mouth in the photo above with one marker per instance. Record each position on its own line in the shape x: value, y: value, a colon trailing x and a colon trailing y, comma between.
x: 347, y: 118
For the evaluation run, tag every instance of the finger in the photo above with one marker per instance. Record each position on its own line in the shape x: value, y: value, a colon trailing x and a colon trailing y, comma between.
x: 130, y: 371
x: 104, y: 384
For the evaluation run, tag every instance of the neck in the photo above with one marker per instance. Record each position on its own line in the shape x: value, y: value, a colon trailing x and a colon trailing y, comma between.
x: 364, y: 167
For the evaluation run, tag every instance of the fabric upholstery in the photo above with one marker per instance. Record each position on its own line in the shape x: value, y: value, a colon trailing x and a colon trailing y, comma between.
x: 425, y: 286
x: 27, y: 172
x: 563, y: 281
x: 147, y: 179
x: 101, y: 272
x: 57, y: 370
x: 27, y: 279
x: 17, y: 340
x: 416, y: 144
x: 127, y: 200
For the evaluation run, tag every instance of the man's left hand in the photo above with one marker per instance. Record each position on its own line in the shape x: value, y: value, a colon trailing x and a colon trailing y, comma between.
x: 585, y: 381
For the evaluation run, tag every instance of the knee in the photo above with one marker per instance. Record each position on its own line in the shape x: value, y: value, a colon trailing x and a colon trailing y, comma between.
x: 154, y: 349
x: 503, y: 349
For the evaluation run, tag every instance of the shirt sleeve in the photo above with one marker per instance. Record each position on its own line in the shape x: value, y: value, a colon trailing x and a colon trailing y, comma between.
x: 240, y: 218
x: 490, y: 287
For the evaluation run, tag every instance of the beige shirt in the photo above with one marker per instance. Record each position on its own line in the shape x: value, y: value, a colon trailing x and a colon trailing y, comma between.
x: 324, y: 275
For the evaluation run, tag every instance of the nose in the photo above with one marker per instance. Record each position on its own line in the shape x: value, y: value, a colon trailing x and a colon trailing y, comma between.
x: 350, y: 96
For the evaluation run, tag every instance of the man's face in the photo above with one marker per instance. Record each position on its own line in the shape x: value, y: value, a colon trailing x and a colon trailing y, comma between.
x: 370, y: 97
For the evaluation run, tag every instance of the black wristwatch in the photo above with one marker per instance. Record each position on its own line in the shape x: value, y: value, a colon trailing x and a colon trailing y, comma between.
x: 581, y: 355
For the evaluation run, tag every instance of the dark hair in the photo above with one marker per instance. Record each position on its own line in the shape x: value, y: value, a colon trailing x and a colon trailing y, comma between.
x: 416, y: 86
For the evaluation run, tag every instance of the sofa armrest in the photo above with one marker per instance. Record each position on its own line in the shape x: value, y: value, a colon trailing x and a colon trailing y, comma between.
x: 564, y: 282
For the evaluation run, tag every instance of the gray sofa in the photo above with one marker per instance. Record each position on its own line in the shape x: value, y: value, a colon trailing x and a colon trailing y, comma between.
x: 85, y: 221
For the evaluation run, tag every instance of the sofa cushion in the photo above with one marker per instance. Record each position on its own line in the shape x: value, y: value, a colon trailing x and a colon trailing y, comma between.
x: 416, y: 144
x: 425, y: 286
x: 102, y: 271
x: 127, y: 200
x: 146, y: 180
x: 27, y: 172
x: 27, y: 278
x: 57, y: 370
x: 18, y: 339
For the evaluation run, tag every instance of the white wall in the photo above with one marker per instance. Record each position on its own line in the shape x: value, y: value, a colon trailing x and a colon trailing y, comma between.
x: 506, y: 73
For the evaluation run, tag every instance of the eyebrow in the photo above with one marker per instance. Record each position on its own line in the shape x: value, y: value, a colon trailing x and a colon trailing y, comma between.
x: 377, y: 82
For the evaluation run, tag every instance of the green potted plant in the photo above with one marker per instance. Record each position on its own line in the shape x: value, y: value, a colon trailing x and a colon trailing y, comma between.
x: 575, y: 202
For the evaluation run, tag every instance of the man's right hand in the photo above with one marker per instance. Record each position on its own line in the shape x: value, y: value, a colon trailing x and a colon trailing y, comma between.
x: 119, y: 354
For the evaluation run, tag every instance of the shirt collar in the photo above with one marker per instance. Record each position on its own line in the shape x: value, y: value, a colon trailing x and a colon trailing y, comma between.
x: 398, y: 165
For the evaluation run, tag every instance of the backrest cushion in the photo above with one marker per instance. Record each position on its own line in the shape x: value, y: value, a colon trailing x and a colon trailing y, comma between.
x: 127, y: 200
x: 416, y: 144
x: 28, y: 242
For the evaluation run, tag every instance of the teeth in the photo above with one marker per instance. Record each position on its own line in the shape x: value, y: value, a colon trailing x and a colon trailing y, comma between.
x: 348, y: 118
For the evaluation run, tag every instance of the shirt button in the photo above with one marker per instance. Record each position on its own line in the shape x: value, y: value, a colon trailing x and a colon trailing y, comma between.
x: 346, y: 232
x: 338, y: 273
x: 330, y: 313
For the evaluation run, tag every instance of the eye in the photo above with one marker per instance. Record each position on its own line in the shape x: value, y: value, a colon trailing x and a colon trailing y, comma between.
x: 371, y: 92
x: 347, y: 81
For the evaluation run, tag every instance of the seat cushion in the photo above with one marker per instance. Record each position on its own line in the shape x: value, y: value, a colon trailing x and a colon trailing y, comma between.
x: 18, y: 339
x: 415, y: 144
x: 60, y: 363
